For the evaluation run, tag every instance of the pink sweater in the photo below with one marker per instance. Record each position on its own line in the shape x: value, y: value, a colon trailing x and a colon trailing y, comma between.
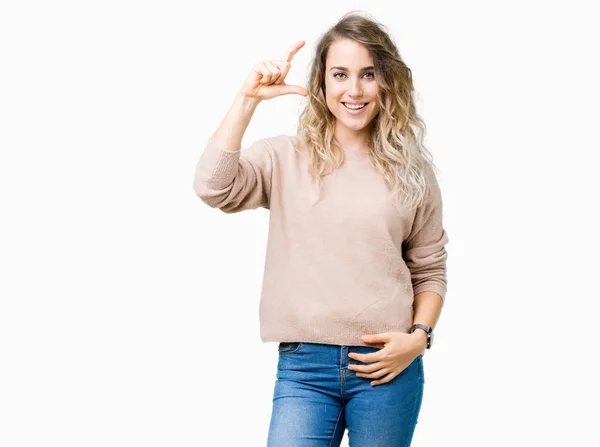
x: 336, y: 268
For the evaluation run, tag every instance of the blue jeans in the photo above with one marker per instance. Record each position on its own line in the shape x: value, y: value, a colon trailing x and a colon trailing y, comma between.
x: 316, y: 397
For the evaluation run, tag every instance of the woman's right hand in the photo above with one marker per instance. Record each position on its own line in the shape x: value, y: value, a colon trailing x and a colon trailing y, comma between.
x: 267, y: 78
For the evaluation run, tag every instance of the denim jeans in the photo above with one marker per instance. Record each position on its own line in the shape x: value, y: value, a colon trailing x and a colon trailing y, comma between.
x: 316, y: 397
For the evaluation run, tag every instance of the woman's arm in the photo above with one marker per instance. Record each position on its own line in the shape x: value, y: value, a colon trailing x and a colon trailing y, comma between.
x: 427, y: 307
x: 425, y: 255
x: 424, y: 250
x: 230, y: 132
x: 228, y: 177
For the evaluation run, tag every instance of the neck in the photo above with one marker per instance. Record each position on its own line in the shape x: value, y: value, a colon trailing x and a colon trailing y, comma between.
x: 353, y: 140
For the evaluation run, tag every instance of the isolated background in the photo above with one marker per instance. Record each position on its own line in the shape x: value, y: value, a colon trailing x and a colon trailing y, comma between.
x: 129, y: 309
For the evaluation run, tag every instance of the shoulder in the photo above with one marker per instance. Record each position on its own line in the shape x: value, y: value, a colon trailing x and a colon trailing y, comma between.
x: 282, y: 142
x: 429, y: 172
x: 284, y: 145
x: 433, y: 191
x: 276, y: 145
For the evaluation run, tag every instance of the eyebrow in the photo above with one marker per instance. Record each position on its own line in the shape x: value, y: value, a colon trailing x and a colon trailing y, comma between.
x: 345, y: 69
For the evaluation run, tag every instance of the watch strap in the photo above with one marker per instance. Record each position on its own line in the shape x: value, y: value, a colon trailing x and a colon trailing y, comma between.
x: 426, y: 328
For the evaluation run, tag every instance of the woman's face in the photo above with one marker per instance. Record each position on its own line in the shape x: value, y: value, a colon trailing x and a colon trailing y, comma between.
x: 350, y: 82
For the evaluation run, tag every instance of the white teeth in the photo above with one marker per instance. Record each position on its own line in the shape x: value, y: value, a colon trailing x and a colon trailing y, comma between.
x: 354, y: 107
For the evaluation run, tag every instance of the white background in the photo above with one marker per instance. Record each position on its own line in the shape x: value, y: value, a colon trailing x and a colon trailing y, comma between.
x: 129, y: 309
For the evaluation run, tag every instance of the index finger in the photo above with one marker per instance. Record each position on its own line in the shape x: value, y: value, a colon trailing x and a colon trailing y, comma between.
x: 292, y: 51
x: 368, y: 358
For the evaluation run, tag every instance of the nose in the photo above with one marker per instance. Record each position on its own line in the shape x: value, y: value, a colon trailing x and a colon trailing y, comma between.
x: 355, y: 89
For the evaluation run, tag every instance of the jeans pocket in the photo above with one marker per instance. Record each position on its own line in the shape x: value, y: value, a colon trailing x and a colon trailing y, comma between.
x: 289, y: 347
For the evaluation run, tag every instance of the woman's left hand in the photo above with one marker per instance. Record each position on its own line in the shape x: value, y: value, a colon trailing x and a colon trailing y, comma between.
x: 399, y: 350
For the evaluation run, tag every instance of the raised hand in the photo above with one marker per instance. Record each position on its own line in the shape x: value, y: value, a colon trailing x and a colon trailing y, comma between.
x: 267, y: 78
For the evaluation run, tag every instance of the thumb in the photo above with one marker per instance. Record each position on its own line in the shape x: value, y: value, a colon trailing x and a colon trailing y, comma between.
x: 292, y: 89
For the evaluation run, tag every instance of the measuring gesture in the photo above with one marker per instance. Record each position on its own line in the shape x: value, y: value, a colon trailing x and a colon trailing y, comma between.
x: 267, y: 78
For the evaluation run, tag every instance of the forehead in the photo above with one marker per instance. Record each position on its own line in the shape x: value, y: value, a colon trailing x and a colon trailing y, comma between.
x: 348, y: 53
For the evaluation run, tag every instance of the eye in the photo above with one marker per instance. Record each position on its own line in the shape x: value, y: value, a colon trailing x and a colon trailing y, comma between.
x: 369, y: 73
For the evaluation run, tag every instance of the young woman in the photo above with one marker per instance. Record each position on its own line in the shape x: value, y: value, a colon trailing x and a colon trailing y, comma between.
x: 355, y: 270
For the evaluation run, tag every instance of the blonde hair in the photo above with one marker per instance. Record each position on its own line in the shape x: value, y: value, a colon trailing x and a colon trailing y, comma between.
x: 397, y: 133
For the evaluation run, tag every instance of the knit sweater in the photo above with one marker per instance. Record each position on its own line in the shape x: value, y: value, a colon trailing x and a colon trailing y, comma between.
x: 341, y: 263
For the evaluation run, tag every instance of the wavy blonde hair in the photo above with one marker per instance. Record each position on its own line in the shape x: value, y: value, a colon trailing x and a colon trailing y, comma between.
x: 397, y: 148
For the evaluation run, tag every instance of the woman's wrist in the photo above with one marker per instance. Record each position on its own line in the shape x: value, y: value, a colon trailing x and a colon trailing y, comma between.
x: 420, y: 340
x: 247, y: 101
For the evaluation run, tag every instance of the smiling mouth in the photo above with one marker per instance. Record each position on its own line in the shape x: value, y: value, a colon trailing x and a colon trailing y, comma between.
x: 351, y: 107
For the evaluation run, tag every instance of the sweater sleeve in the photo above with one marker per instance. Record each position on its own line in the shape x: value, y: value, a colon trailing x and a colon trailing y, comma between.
x: 234, y: 181
x: 424, y: 250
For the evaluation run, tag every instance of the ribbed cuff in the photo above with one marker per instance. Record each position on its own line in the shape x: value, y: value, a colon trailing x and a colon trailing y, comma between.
x: 431, y: 287
x: 222, y: 163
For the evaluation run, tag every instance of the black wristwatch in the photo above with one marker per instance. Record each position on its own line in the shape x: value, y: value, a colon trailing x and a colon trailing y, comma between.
x: 426, y: 329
